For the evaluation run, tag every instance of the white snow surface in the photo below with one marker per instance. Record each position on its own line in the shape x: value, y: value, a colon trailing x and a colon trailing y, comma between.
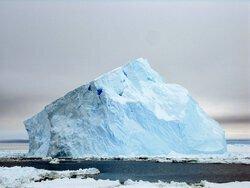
x: 91, y: 183
x: 236, y: 153
x: 129, y: 111
x: 17, y: 176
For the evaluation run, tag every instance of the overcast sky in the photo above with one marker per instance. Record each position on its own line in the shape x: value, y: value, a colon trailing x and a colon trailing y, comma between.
x: 49, y: 48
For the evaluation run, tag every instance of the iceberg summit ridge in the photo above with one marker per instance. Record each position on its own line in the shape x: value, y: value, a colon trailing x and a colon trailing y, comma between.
x: 129, y: 111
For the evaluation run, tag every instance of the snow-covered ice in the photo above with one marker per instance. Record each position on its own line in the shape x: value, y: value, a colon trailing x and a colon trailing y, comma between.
x: 91, y: 183
x: 129, y: 111
x: 75, y: 183
x: 17, y: 176
x: 236, y: 153
x: 244, y: 184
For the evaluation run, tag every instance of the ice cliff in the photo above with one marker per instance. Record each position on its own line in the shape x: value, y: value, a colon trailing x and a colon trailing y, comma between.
x: 129, y: 111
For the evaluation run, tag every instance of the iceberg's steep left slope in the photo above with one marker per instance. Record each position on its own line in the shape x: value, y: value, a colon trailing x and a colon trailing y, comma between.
x: 128, y: 111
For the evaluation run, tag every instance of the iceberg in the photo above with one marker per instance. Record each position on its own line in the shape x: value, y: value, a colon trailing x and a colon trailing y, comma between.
x: 129, y: 111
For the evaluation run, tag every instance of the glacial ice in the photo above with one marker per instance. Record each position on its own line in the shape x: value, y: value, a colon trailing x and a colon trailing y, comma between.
x: 129, y: 111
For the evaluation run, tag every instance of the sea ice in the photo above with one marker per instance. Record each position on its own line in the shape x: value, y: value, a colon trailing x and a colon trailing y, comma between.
x: 129, y: 111
x: 17, y: 176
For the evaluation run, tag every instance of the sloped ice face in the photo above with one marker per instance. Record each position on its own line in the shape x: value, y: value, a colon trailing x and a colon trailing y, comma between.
x: 129, y: 111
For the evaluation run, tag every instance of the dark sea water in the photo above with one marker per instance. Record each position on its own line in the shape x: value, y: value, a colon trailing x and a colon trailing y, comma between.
x: 147, y: 170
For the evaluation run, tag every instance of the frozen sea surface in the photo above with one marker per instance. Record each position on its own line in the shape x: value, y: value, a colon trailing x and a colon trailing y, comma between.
x: 91, y: 183
x: 238, y: 151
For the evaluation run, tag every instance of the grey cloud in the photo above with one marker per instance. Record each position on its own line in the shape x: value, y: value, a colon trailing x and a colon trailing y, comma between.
x: 233, y: 119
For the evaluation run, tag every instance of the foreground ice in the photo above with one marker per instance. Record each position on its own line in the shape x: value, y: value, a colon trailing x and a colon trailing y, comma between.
x: 129, y: 111
x: 17, y: 176
x: 29, y: 177
x: 91, y: 183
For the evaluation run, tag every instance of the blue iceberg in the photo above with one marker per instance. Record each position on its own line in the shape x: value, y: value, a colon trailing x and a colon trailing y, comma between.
x: 129, y: 111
